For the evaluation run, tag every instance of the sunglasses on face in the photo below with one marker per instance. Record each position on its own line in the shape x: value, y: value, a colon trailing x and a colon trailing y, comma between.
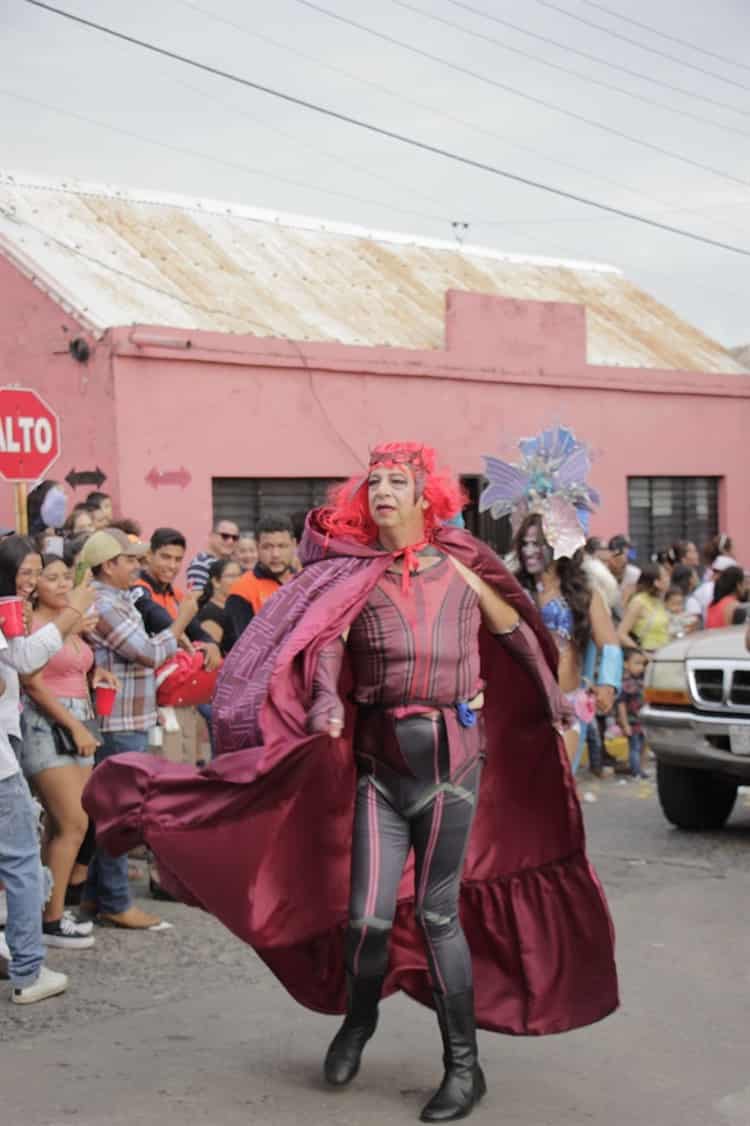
x: 230, y: 536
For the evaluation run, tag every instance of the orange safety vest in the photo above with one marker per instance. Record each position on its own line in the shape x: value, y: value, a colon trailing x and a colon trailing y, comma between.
x: 254, y: 590
x: 170, y: 599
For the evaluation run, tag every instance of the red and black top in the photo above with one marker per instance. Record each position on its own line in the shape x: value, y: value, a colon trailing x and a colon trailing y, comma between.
x: 420, y: 647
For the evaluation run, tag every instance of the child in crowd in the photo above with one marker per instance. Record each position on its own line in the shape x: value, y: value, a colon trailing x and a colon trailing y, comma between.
x: 680, y: 621
x: 629, y: 704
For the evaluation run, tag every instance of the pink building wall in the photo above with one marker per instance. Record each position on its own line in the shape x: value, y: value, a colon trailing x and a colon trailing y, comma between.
x: 252, y: 407
x: 35, y: 333
x: 156, y: 398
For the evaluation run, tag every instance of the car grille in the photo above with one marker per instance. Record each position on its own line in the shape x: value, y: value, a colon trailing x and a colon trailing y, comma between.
x: 716, y: 686
x: 709, y: 685
x: 739, y: 694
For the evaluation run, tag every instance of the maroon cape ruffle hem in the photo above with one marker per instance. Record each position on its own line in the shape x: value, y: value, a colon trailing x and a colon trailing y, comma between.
x: 261, y: 838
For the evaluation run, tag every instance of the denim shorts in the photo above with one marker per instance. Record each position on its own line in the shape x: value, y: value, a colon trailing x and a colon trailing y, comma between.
x: 37, y: 750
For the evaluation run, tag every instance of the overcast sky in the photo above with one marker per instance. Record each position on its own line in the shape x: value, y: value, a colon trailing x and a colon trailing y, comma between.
x: 284, y: 157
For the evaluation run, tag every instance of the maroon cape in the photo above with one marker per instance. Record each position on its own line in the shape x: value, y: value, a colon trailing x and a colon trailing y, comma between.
x: 261, y: 838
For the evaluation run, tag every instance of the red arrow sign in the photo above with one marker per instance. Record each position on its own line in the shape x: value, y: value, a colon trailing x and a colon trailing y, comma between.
x: 29, y: 435
x: 179, y: 477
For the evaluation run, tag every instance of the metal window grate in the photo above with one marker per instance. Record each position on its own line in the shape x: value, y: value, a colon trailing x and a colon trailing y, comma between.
x: 664, y: 509
x: 246, y: 500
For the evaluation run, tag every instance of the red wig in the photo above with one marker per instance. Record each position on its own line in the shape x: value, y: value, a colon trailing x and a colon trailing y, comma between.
x: 348, y: 511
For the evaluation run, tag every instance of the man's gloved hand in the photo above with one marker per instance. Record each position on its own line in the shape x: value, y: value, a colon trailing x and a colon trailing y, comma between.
x: 326, y: 715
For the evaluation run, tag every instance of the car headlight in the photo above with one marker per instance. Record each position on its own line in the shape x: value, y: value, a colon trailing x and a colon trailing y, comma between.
x: 667, y: 683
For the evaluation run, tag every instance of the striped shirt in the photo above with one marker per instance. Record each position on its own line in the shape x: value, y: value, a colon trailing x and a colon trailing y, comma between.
x: 419, y: 647
x: 122, y: 646
x: 198, y: 568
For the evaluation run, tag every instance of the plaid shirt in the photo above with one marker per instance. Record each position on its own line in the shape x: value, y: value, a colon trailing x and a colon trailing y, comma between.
x: 122, y: 646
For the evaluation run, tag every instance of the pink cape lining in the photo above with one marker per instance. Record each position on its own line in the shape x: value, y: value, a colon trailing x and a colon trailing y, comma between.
x: 261, y: 838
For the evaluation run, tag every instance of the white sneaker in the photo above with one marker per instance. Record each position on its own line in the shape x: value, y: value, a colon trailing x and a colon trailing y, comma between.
x: 48, y: 984
x: 68, y: 934
x: 4, y: 956
x: 83, y: 926
x: 3, y: 907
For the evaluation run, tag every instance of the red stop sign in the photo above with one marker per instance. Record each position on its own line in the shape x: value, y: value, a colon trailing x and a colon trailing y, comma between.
x: 29, y: 435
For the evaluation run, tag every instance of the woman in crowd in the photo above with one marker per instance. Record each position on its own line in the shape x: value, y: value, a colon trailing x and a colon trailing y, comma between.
x: 246, y: 552
x: 684, y: 553
x: 549, y: 501
x: 646, y: 621
x: 222, y: 575
x: 575, y: 612
x: 730, y: 590
x: 20, y: 566
x: 685, y: 576
x: 46, y: 508
x: 720, y: 546
x: 58, y: 747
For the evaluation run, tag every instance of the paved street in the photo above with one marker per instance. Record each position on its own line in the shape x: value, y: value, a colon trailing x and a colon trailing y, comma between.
x: 187, y: 1026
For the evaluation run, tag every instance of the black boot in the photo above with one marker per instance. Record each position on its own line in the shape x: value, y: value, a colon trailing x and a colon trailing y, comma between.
x: 345, y: 1052
x: 463, y: 1083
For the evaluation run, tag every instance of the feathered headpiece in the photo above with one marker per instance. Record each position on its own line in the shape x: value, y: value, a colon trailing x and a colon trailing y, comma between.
x: 550, y: 481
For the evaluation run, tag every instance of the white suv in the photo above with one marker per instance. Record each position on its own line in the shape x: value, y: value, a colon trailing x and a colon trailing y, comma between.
x: 697, y: 723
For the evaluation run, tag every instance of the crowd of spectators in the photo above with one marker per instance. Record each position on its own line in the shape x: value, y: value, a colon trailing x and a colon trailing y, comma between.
x: 105, y: 625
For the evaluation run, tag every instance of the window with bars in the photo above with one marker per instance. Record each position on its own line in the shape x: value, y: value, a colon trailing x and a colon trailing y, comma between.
x: 245, y: 500
x: 664, y: 509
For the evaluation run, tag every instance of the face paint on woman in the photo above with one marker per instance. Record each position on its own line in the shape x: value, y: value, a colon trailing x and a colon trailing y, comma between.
x: 536, y: 555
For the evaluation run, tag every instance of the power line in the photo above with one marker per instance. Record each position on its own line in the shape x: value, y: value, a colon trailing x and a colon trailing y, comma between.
x: 342, y: 160
x: 391, y: 134
x: 441, y: 115
x: 664, y: 35
x: 598, y: 59
x: 519, y: 93
x: 643, y: 46
x: 216, y: 159
x: 574, y: 73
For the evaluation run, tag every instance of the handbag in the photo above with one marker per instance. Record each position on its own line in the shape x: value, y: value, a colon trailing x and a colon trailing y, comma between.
x: 183, y: 682
x: 65, y: 744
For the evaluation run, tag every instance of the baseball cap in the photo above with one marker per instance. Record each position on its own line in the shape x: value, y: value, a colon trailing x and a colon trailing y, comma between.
x: 619, y: 543
x: 108, y: 544
x: 722, y: 562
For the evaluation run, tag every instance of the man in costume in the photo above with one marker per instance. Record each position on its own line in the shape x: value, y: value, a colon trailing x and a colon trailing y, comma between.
x: 406, y: 638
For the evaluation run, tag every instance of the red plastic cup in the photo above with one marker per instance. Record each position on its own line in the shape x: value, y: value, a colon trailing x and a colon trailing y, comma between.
x: 11, y: 611
x: 104, y: 699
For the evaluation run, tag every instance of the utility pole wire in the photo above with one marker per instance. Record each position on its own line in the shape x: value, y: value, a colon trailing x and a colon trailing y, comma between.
x: 664, y: 35
x: 390, y: 134
x: 573, y: 73
x: 518, y: 93
x: 642, y: 46
x: 596, y: 58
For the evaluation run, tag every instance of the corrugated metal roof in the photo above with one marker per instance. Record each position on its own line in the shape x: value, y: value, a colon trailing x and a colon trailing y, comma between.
x: 118, y: 257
